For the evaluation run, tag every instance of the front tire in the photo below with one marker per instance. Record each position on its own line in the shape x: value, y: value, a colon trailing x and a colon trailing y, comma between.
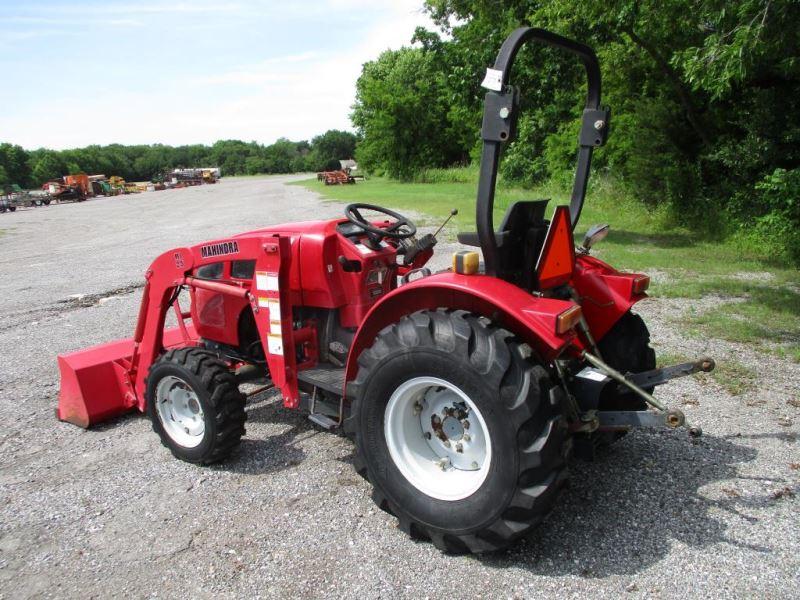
x: 459, y: 431
x: 195, y: 405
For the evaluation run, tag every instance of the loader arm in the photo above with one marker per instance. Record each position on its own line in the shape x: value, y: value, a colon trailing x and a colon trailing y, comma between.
x: 108, y: 380
x: 270, y: 304
x: 104, y: 381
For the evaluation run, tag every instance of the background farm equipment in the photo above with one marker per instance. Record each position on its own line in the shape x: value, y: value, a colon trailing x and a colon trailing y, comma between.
x: 62, y: 192
x: 117, y: 184
x: 464, y: 391
x: 13, y: 196
x: 100, y: 185
x: 189, y: 177
x: 339, y: 177
x: 350, y: 167
x: 79, y: 182
x: 102, y: 188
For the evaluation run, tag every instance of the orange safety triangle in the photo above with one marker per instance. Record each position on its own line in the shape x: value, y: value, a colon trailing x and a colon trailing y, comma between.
x: 557, y: 259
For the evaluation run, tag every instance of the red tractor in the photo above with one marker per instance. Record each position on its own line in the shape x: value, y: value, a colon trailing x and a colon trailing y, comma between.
x: 464, y: 390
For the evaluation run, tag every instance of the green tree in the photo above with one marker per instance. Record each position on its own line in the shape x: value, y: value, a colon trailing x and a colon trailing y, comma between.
x: 14, y: 161
x: 48, y: 165
x: 705, y: 96
x: 402, y: 112
x: 333, y: 145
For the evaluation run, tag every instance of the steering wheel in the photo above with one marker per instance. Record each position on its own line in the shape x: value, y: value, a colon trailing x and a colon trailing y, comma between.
x: 393, y: 230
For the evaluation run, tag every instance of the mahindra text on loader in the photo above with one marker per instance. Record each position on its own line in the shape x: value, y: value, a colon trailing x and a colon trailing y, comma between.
x: 465, y: 390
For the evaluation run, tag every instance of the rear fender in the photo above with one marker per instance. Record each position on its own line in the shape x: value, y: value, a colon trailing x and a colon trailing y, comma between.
x: 605, y: 293
x: 531, y: 318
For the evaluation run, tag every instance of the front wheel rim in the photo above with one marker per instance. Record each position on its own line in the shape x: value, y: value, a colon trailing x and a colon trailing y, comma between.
x: 180, y: 412
x: 437, y: 438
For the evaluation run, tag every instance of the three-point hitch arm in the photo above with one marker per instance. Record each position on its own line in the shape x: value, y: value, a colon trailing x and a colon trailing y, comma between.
x: 501, y: 110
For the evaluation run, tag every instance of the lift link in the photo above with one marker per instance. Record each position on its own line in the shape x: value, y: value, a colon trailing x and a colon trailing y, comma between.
x: 674, y: 417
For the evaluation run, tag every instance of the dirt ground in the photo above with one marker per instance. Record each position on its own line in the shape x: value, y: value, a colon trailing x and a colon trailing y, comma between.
x: 109, y: 512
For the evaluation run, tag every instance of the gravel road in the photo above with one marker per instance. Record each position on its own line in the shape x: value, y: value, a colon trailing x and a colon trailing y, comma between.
x: 109, y: 512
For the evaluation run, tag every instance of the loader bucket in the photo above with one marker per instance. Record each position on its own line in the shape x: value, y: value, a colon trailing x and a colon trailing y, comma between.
x: 95, y: 384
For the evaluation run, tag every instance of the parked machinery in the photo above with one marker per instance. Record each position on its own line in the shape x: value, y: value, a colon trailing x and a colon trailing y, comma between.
x: 464, y: 391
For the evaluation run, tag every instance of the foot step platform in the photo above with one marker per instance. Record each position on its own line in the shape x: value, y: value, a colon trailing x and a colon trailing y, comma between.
x: 324, y: 376
x: 323, y: 421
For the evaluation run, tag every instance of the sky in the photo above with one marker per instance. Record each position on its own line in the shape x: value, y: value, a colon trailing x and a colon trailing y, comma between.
x: 162, y: 71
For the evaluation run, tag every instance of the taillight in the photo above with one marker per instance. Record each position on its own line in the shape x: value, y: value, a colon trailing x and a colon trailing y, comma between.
x: 568, y: 319
x: 640, y: 284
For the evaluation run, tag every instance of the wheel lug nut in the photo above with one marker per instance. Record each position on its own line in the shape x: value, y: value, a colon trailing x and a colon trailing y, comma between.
x: 465, y: 424
x: 459, y: 448
x: 417, y: 408
x: 475, y: 465
x: 436, y: 419
x: 466, y: 437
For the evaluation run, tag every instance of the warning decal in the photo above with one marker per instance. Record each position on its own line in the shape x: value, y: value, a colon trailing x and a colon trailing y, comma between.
x: 275, y: 344
x: 267, y: 282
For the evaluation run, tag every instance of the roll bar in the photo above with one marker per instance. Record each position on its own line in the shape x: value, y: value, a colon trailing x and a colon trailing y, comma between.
x: 501, y: 108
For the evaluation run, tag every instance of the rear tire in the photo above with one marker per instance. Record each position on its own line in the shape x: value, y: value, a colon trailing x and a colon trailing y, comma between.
x: 195, y: 405
x: 626, y: 348
x: 469, y: 371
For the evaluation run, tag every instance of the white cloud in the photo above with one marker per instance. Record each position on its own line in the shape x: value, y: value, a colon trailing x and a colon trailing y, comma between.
x: 295, y: 96
x: 8, y: 38
x: 92, y: 8
x: 304, y: 98
x: 263, y: 72
x: 65, y: 21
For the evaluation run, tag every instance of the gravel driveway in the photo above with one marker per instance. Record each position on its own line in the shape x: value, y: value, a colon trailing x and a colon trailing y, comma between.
x: 109, y: 512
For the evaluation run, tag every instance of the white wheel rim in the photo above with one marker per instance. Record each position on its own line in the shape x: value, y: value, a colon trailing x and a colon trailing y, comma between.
x: 448, y: 459
x: 180, y: 412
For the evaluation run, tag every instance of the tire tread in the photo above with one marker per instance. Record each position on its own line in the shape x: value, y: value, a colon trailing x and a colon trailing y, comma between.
x: 227, y: 402
x: 543, y: 439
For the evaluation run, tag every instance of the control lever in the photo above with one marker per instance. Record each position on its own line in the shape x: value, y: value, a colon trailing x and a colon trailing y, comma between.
x: 350, y: 266
x: 453, y: 213
x: 427, y: 241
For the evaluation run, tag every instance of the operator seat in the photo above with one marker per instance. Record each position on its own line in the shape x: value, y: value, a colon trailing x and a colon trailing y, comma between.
x: 519, y: 241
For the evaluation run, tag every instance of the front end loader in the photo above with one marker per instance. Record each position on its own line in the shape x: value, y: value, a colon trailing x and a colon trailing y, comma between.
x: 465, y: 390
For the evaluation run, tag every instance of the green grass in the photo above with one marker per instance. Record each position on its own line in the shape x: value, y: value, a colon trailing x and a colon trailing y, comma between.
x: 665, y: 359
x: 435, y: 200
x: 734, y: 377
x: 731, y: 375
x: 764, y: 313
x: 684, y: 263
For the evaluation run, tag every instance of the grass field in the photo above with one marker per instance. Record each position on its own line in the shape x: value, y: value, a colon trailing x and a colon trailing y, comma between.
x: 761, y: 298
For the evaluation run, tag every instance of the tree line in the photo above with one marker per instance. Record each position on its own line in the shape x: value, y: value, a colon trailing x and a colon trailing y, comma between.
x: 31, y: 168
x: 705, y: 98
